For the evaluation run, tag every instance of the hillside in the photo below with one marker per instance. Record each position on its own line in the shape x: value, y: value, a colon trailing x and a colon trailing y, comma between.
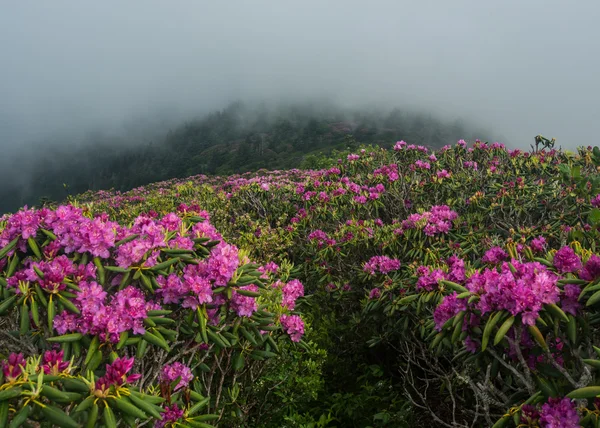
x: 395, y: 288
x: 237, y: 139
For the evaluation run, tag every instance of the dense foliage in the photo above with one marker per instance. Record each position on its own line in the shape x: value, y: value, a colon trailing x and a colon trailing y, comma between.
x: 236, y: 139
x: 454, y: 288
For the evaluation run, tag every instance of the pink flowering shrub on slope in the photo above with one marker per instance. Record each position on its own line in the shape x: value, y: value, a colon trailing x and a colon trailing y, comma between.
x: 94, y: 302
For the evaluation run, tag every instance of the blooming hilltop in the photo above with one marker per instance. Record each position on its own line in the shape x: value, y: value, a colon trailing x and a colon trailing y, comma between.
x: 457, y: 287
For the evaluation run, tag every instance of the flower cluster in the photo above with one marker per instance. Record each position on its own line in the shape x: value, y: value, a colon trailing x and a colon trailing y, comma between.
x: 291, y: 292
x: 435, y: 221
x: 124, y: 311
x: 293, y: 325
x: 381, y: 264
x: 13, y: 366
x: 450, y: 306
x: 116, y: 374
x: 170, y: 414
x: 565, y: 260
x: 494, y: 255
x: 390, y: 171
x: 523, y: 292
x: 556, y: 413
x: 53, y: 363
x: 177, y: 370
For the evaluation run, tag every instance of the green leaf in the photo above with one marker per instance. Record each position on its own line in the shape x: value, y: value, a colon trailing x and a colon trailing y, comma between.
x: 146, y: 407
x: 207, y: 417
x: 238, y: 361
x: 198, y: 406
x: 586, y: 392
x: 593, y: 299
x: 155, y: 340
x: 537, y: 335
x: 572, y: 329
x: 59, y: 417
x: 506, y: 325
x: 85, y: 404
x: 164, y: 265
x: 34, y: 247
x: 68, y: 304
x: 247, y: 293
x: 4, y: 306
x: 95, y: 360
x: 594, y: 216
x: 125, y: 406
x: 558, y: 312
x: 3, y: 413
x: 454, y: 286
x: 108, y: 417
x: 53, y: 393
x: 501, y: 422
x: 75, y: 385
x: 152, y: 399
x: 51, y: 313
x: 93, y: 416
x: 408, y: 299
x: 594, y: 363
x: 94, y: 344
x: 11, y: 393
x: 72, y: 337
x: 4, y: 251
x: 122, y: 339
x: 25, y: 324
x: 489, y: 326
x: 20, y: 418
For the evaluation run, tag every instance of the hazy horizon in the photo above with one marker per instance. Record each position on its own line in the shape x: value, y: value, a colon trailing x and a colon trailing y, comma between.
x: 515, y: 68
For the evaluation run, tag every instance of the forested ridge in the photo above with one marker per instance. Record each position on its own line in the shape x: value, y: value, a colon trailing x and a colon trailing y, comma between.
x: 237, y: 139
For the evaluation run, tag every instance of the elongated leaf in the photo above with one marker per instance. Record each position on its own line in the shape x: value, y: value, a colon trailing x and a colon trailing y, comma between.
x: 572, y: 329
x: 19, y: 419
x: 4, y: 251
x: 92, y: 416
x: 3, y: 413
x: 68, y: 304
x: 587, y: 392
x: 94, y: 344
x: 59, y: 417
x: 53, y: 393
x: 454, y: 286
x: 247, y: 293
x: 594, y: 298
x: 11, y: 393
x: 108, y: 417
x: 407, y: 299
x: 164, y: 265
x: 198, y: 406
x: 125, y: 406
x: 72, y: 337
x: 506, y: 325
x: 8, y: 303
x: 556, y: 311
x: 34, y: 247
x: 145, y: 406
x: 489, y: 326
x: 537, y: 335
x: 594, y: 363
x: 155, y: 340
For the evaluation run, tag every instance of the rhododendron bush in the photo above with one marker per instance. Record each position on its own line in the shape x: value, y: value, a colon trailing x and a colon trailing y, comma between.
x: 114, y: 324
x: 392, y: 288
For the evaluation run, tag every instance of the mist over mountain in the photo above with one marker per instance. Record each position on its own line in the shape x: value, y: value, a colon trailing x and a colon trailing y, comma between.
x: 239, y: 138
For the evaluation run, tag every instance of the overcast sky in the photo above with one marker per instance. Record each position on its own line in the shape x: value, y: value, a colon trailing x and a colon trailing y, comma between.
x: 517, y: 67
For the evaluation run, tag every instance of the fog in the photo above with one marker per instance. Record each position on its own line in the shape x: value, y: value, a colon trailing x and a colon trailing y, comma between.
x: 518, y: 68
